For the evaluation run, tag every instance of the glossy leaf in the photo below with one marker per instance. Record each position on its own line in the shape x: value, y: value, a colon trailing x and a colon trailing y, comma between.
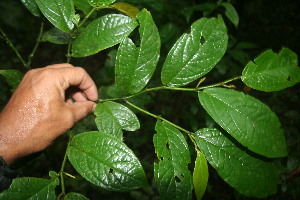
x: 231, y: 13
x: 272, y: 72
x: 32, y: 7
x: 13, y: 77
x: 248, y: 120
x: 171, y: 174
x: 96, y: 3
x: 135, y: 66
x: 126, y: 8
x: 59, y: 12
x: 247, y: 174
x: 106, y: 161
x: 112, y: 117
x: 75, y: 196
x: 200, y: 175
x: 83, y: 5
x: 56, y: 36
x: 103, y: 33
x: 195, y: 54
x: 31, y: 188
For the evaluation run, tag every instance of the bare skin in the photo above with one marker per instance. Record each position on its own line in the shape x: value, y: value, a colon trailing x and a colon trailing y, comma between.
x: 39, y: 111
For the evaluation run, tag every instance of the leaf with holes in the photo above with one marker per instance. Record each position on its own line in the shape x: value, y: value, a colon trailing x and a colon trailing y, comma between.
x: 13, y: 77
x: 126, y: 8
x: 135, y: 66
x: 60, y: 13
x: 75, y: 196
x: 200, y: 175
x: 103, y: 33
x: 249, y: 175
x: 32, y: 7
x: 112, y: 117
x: 31, y: 188
x: 171, y: 174
x: 231, y: 13
x: 106, y: 161
x: 195, y: 54
x: 272, y: 72
x: 248, y: 120
x: 97, y: 3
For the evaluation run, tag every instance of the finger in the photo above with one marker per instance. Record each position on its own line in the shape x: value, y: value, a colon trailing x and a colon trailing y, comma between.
x: 81, y: 109
x: 55, y: 66
x: 77, y: 76
x: 69, y: 101
x: 79, y: 96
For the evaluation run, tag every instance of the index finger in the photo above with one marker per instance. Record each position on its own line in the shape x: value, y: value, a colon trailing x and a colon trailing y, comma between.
x: 77, y: 76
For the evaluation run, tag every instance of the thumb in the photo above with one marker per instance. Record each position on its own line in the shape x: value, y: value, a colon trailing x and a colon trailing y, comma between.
x: 81, y: 109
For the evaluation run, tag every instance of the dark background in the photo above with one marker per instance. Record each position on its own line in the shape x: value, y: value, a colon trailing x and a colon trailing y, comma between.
x: 266, y: 24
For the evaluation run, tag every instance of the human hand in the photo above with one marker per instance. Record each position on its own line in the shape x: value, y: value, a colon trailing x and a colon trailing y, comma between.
x: 39, y: 111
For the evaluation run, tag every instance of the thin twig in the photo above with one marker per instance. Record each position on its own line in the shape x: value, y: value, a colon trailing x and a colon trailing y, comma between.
x: 13, y: 48
x: 38, y: 41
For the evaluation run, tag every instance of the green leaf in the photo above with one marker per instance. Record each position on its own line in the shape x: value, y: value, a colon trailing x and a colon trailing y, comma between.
x: 200, y: 175
x: 247, y: 174
x: 103, y: 33
x: 135, y: 66
x: 13, y: 77
x: 56, y: 36
x: 83, y: 5
x: 171, y: 174
x: 195, y: 54
x: 126, y: 8
x: 248, y: 120
x: 32, y: 7
x: 231, y: 13
x: 112, y: 117
x: 106, y: 161
x: 272, y: 72
x: 96, y: 3
x: 31, y: 188
x: 59, y: 12
x: 75, y: 196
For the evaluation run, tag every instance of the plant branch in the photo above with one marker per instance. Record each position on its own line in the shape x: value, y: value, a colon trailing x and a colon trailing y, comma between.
x: 160, y: 118
x: 69, y: 56
x: 86, y: 17
x: 197, y: 89
x: 62, y: 173
x: 38, y: 41
x: 13, y: 48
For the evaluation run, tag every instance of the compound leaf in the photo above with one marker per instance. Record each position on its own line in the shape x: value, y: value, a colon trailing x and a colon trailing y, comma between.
x: 195, y: 54
x: 60, y: 13
x: 231, y: 13
x: 135, y: 66
x: 31, y: 188
x: 112, y: 117
x: 103, y: 33
x: 106, y: 161
x: 13, y: 77
x: 171, y: 174
x: 200, y: 175
x: 32, y: 7
x: 249, y: 175
x: 272, y: 72
x: 248, y: 120
x: 75, y: 196
x: 96, y: 3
